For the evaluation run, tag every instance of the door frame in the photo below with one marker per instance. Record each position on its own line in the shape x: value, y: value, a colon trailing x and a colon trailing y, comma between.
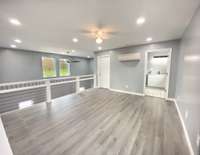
x: 98, y: 60
x: 169, y: 50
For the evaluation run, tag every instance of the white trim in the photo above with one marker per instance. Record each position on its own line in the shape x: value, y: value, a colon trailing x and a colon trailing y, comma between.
x: 4, y: 144
x: 86, y: 79
x: 85, y: 75
x: 63, y: 82
x: 81, y: 78
x: 21, y: 89
x: 95, y: 81
x: 77, y: 84
x: 169, y: 67
x: 48, y: 91
x: 183, y: 125
x: 98, y: 57
x: 126, y: 92
x: 43, y: 80
x: 169, y: 70
x: 170, y: 99
x: 21, y: 82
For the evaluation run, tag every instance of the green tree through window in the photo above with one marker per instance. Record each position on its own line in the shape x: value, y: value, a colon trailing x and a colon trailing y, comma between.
x: 64, y: 67
x: 48, y: 67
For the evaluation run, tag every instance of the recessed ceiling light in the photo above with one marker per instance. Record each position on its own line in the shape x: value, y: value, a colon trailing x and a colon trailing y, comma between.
x: 13, y: 46
x: 99, y: 48
x: 140, y: 20
x: 18, y: 41
x: 88, y: 56
x: 73, y: 51
x: 75, y: 40
x: 15, y: 21
x: 149, y: 39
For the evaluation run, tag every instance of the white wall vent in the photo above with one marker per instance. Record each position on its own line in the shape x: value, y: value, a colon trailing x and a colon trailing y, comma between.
x: 129, y: 57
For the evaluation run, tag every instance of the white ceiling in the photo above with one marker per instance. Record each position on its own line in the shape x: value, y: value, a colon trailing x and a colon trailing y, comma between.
x: 50, y: 25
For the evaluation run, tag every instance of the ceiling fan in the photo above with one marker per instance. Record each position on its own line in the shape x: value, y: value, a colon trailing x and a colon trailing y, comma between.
x: 72, y: 60
x: 99, y: 33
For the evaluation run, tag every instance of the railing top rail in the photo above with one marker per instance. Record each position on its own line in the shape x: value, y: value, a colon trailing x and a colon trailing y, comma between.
x: 86, y: 75
x: 21, y: 82
x: 43, y: 80
x: 20, y: 89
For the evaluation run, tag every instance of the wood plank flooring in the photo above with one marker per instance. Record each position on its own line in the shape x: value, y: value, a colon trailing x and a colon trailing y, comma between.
x: 97, y: 122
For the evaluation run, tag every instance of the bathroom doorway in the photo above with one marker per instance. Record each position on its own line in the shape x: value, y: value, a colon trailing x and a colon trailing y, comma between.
x: 157, y: 72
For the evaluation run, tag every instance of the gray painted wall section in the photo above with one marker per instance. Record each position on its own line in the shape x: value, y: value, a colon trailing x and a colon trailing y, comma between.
x: 20, y: 65
x: 132, y: 73
x: 188, y: 79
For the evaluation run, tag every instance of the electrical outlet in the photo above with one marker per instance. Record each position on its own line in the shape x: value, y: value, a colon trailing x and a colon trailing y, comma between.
x: 126, y: 86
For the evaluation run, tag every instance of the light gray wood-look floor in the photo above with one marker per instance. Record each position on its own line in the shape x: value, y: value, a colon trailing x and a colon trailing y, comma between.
x: 97, y: 122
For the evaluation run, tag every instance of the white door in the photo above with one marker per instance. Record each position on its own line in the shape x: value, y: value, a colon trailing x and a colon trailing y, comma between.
x: 103, y: 70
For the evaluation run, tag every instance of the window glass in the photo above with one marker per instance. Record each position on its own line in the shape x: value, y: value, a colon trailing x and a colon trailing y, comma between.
x: 48, y: 67
x: 64, y: 67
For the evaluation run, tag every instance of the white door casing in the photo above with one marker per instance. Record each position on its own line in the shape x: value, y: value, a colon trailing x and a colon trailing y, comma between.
x: 146, y: 91
x: 103, y: 71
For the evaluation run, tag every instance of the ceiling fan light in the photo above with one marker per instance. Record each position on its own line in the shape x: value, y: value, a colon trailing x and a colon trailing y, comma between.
x: 99, y: 33
x: 99, y: 40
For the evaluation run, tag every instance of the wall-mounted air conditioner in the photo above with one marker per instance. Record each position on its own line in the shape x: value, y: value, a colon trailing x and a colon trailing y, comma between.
x: 129, y: 57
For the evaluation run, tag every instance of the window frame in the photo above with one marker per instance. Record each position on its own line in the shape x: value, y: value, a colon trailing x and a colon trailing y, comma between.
x: 68, y: 66
x: 54, y: 65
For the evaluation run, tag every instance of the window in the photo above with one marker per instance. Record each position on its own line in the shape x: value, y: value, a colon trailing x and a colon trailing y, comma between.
x: 48, y: 67
x: 64, y: 67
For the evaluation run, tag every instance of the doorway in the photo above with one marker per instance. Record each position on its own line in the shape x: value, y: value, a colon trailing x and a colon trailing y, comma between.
x: 157, y: 72
x: 103, y: 71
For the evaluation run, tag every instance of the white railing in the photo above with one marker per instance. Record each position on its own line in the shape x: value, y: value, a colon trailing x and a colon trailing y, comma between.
x: 26, y: 85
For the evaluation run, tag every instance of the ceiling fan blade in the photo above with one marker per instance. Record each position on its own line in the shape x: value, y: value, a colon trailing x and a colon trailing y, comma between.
x: 73, y: 61
x: 107, y: 32
x: 88, y: 33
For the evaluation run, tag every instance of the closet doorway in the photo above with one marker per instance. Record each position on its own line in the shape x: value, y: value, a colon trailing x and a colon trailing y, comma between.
x: 157, y: 72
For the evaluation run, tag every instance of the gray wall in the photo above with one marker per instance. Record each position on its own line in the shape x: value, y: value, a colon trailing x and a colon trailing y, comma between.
x: 132, y: 73
x: 20, y: 65
x: 188, y: 80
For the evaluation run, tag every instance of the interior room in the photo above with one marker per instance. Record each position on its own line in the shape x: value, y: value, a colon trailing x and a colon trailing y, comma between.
x: 100, y: 77
x: 157, y: 73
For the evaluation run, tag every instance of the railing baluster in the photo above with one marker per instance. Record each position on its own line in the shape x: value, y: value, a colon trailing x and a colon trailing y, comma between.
x: 48, y: 91
x: 94, y: 81
x: 77, y: 84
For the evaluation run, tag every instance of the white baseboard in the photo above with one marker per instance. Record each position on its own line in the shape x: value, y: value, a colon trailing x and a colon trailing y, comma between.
x: 126, y: 92
x: 183, y: 125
